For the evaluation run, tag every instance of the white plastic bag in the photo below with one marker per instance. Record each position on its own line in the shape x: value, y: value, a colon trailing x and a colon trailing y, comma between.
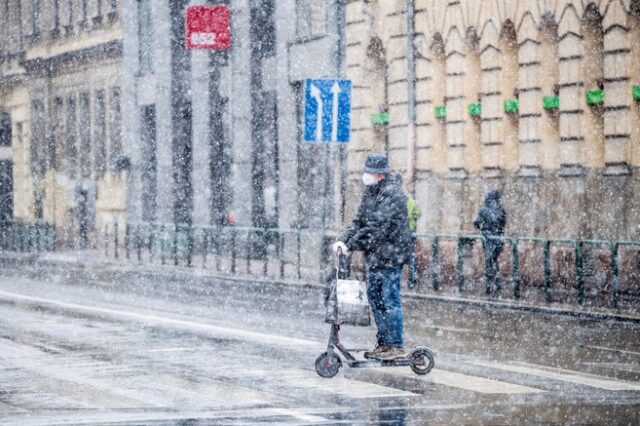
x: 348, y: 303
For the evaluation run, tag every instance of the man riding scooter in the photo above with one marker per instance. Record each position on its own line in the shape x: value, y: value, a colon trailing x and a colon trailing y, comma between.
x: 380, y: 229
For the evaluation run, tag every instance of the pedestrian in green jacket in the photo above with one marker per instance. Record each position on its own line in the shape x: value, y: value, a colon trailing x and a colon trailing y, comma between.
x: 413, y: 213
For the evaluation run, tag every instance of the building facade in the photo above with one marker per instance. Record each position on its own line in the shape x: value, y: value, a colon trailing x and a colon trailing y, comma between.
x: 538, y: 99
x: 60, y: 100
x: 217, y: 133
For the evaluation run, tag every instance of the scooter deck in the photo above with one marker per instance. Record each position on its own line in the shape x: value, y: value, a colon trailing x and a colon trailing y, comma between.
x: 368, y: 363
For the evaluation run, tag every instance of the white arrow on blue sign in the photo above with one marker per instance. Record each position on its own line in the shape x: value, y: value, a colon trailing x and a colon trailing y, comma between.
x: 327, y: 110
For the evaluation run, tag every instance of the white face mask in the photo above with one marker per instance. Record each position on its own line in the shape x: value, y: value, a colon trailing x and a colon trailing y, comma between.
x: 368, y: 179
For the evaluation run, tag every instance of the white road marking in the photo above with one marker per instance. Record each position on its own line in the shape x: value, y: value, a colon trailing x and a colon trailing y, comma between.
x: 620, y: 366
x: 292, y: 413
x: 154, y: 320
x: 152, y: 416
x: 466, y: 381
x: 308, y: 379
x: 602, y: 348
x: 600, y: 382
x: 168, y: 350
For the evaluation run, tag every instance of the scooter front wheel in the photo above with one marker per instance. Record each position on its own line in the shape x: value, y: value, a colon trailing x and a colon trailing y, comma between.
x: 422, y: 361
x: 328, y: 365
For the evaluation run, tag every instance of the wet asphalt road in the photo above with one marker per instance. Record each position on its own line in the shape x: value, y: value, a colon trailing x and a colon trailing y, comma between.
x: 79, y: 348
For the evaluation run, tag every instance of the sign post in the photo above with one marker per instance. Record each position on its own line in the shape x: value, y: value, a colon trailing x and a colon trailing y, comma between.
x: 208, y: 27
x: 327, y: 118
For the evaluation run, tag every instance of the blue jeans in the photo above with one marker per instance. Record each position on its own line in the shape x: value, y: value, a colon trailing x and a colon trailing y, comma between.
x: 384, y: 297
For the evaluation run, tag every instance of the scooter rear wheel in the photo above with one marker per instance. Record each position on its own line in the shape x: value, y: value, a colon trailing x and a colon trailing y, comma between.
x: 328, y: 365
x: 422, y: 361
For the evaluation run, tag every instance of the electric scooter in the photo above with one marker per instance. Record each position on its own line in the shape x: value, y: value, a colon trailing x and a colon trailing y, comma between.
x: 421, y: 359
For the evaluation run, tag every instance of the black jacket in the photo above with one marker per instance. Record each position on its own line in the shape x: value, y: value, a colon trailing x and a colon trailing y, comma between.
x: 491, y: 221
x: 380, y: 228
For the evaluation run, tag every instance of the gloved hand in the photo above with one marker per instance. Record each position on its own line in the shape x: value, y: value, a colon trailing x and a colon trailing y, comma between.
x: 340, y: 248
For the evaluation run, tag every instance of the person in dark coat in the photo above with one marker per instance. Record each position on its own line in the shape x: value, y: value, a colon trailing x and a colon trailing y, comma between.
x: 491, y: 222
x: 380, y: 229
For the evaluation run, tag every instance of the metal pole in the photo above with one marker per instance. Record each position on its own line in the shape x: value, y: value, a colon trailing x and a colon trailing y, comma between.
x: 411, y: 96
x: 460, y: 265
x: 547, y: 271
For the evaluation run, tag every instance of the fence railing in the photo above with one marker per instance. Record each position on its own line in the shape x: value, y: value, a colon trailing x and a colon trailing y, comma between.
x: 27, y: 237
x: 611, y: 266
x: 231, y: 249
x: 555, y: 270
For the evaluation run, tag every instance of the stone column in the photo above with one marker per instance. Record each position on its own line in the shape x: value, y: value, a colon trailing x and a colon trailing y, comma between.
x: 240, y: 109
x: 161, y: 19
x: 570, y: 188
x: 618, y: 119
x: 201, y: 147
x: 455, y: 101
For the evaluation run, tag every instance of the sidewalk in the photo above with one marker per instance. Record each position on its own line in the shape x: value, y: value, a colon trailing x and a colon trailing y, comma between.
x: 109, y: 269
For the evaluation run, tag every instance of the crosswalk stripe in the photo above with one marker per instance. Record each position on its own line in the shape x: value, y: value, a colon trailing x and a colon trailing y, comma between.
x: 298, y: 415
x: 467, y: 382
x: 600, y: 382
x: 340, y: 385
x: 622, y: 351
x: 620, y: 366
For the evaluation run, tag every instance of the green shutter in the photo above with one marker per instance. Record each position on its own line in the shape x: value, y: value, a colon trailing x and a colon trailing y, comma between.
x: 380, y: 118
x: 441, y: 111
x: 595, y: 97
x: 475, y: 109
x: 511, y: 106
x: 551, y: 102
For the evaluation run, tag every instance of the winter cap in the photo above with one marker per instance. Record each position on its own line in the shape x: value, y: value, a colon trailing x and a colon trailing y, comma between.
x: 376, y: 163
x: 493, y: 195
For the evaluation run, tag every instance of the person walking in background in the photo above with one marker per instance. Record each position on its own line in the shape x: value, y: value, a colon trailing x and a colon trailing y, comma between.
x: 491, y: 221
x: 414, y: 213
x: 380, y: 229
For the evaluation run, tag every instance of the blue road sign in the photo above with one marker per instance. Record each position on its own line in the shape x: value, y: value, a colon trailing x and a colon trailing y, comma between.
x: 327, y: 110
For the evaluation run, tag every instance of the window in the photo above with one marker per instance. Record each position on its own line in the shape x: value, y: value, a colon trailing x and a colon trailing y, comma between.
x: 82, y: 12
x: 149, y: 173
x: 97, y: 19
x: 36, y: 17
x: 145, y: 37
x: 71, y: 153
x: 57, y: 129
x: 37, y: 147
x: 56, y: 15
x: 115, y: 126
x: 5, y: 129
x: 113, y: 11
x: 100, y: 134
x: 311, y: 18
x: 263, y: 28
x: 67, y: 14
x: 85, y: 134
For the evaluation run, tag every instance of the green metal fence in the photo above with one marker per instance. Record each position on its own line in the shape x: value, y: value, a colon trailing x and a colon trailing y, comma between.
x: 284, y: 253
x: 515, y: 243
x: 27, y: 237
x: 236, y: 246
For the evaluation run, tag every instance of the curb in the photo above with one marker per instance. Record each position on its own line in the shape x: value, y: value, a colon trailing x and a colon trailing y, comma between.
x: 184, y: 273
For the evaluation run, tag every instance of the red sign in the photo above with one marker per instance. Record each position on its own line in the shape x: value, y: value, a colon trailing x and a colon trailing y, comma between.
x: 208, y: 27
